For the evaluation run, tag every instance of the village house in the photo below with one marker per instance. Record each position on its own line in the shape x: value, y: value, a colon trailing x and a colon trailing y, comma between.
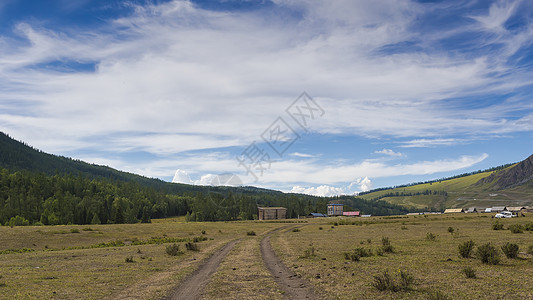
x: 454, y: 210
x: 272, y: 213
x: 351, y: 213
x: 335, y: 209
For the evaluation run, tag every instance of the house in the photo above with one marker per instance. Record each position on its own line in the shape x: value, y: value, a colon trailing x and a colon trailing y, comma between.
x: 272, y: 213
x: 529, y: 208
x: 454, y: 210
x: 335, y: 209
x: 497, y: 209
x: 351, y: 213
x: 516, y: 209
x: 471, y: 210
x: 488, y: 210
x: 316, y: 215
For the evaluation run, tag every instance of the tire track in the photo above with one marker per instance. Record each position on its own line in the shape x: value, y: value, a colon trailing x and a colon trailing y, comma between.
x: 293, y: 286
x: 193, y: 285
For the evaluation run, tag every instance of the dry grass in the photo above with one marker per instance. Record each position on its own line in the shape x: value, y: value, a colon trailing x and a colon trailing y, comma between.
x: 435, y: 265
x: 242, y: 275
x: 50, y: 272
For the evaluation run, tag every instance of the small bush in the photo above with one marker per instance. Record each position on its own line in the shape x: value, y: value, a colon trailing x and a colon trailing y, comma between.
x: 497, y: 226
x: 88, y: 229
x: 129, y: 259
x: 431, y: 236
x: 469, y: 272
x: 488, y: 254
x: 379, y: 251
x: 173, y: 250
x: 384, y: 281
x: 437, y: 295
x: 309, y: 252
x: 320, y: 228
x: 203, y: 232
x: 296, y: 230
x: 403, y: 227
x: 18, y: 221
x: 191, y: 246
x: 465, y: 249
x: 386, y: 245
x: 351, y: 256
x: 530, y: 249
x: 451, y: 229
x: 369, y: 241
x: 528, y: 226
x: 74, y: 230
x: 516, y: 228
x: 250, y: 233
x: 510, y: 250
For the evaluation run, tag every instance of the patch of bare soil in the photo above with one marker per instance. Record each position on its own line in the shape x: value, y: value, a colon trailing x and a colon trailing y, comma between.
x: 193, y: 285
x: 293, y: 286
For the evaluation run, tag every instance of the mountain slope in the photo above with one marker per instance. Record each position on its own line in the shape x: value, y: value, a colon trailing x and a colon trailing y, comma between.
x: 508, y: 185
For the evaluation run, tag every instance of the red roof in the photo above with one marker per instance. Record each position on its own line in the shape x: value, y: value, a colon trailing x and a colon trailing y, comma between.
x: 350, y: 213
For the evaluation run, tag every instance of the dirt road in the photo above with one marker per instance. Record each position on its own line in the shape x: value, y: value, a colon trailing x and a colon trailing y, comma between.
x: 194, y: 284
x: 293, y: 286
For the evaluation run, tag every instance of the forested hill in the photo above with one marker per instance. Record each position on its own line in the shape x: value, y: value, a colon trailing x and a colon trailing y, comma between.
x: 36, y: 187
x: 18, y: 156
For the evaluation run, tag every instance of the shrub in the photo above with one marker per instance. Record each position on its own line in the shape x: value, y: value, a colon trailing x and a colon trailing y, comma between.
x: 510, y: 250
x: 351, y: 256
x: 173, y: 249
x: 191, y: 246
x: 488, y: 254
x: 369, y: 241
x: 88, y: 229
x: 250, y: 233
x: 530, y: 249
x: 320, y: 228
x: 516, y: 228
x: 451, y: 230
x: 18, y: 221
x: 403, y: 227
x: 497, y: 226
x: 431, y: 237
x: 469, y: 272
x: 384, y: 281
x: 386, y: 245
x: 129, y: 259
x: 465, y: 249
x: 379, y: 251
x: 528, y: 226
x: 309, y: 252
x: 437, y: 295
x: 296, y: 230
x: 74, y: 230
x: 203, y: 232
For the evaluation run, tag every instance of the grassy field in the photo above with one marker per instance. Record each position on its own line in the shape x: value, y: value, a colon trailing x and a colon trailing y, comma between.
x: 89, y: 262
x: 435, y: 264
x: 102, y: 271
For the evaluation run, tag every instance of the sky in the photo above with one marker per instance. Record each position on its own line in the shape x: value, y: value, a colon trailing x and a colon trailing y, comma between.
x: 316, y: 97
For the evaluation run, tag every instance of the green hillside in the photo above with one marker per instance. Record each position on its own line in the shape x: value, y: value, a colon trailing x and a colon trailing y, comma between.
x: 506, y: 185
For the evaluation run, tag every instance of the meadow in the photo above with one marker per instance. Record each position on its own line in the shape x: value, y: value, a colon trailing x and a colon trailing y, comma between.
x: 131, y: 261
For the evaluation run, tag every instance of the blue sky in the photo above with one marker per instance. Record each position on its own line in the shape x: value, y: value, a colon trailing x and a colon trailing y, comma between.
x: 397, y: 91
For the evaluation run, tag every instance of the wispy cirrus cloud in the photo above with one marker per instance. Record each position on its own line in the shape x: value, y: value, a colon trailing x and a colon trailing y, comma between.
x: 172, y: 78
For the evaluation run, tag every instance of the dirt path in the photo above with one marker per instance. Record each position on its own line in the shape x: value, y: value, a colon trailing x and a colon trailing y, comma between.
x: 193, y: 285
x: 293, y: 286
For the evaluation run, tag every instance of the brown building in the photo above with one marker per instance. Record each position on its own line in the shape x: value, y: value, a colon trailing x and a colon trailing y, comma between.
x: 272, y: 213
x: 335, y: 209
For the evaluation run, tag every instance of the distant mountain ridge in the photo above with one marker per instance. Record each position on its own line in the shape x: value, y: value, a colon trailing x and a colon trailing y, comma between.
x: 516, y: 175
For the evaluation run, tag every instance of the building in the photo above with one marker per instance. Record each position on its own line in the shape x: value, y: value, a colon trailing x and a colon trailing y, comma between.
x: 454, y: 210
x: 272, y: 213
x: 516, y: 209
x: 335, y: 209
x: 471, y: 210
x: 351, y: 213
x: 316, y: 215
x: 497, y: 209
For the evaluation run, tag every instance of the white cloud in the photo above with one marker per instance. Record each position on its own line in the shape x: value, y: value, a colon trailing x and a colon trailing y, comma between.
x: 389, y: 152
x: 173, y: 78
x: 424, y: 143
x: 322, y: 191
x: 302, y: 155
x: 499, y: 13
